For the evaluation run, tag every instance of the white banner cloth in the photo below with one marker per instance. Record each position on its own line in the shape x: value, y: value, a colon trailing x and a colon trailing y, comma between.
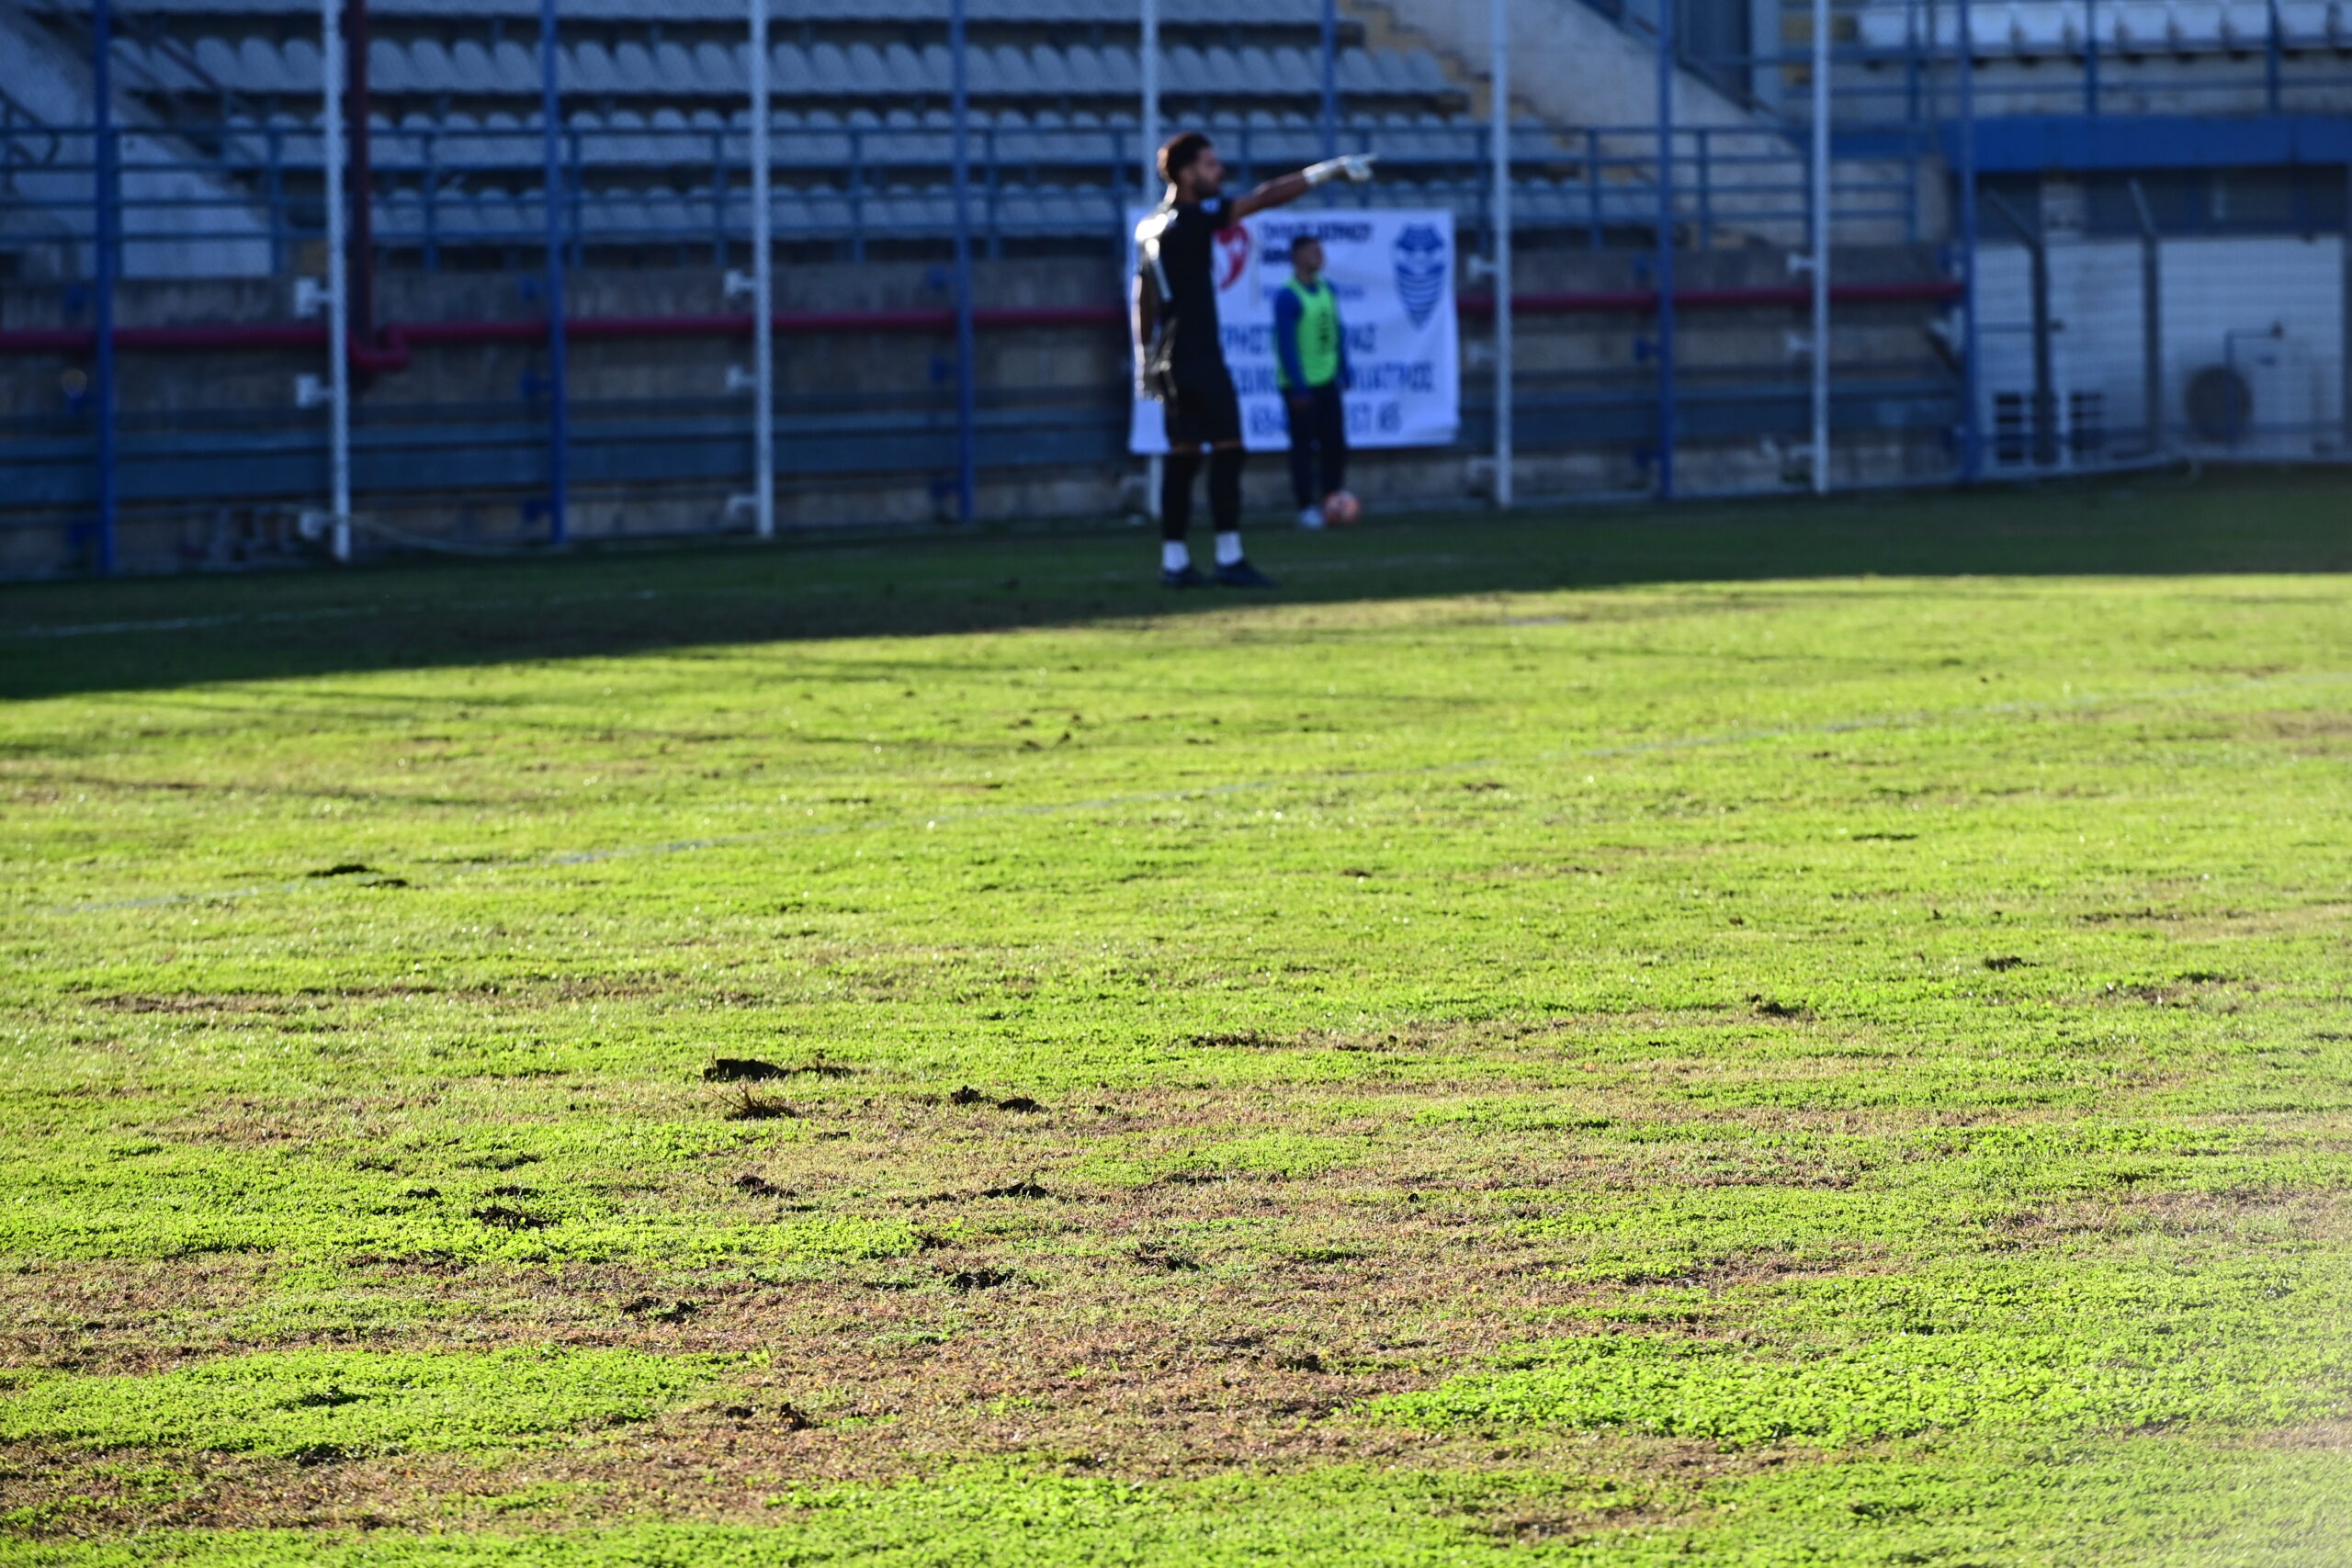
x: 1394, y: 270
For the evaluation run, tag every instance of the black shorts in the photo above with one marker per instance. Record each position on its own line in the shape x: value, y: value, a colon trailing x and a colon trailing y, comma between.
x: 1208, y: 415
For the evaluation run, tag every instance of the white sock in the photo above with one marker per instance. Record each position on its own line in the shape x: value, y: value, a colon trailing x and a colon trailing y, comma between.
x: 1228, y: 549
x: 1173, y: 556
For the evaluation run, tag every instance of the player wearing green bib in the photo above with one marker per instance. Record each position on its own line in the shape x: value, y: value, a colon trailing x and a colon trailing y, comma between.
x: 1311, y: 365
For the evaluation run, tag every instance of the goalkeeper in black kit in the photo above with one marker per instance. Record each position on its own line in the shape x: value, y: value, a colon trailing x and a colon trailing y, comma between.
x: 1180, y: 354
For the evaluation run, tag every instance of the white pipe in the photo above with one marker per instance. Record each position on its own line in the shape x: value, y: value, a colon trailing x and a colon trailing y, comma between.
x: 338, y: 291
x: 763, y: 286
x: 1148, y: 59
x: 1500, y: 74
x: 1147, y: 64
x: 1821, y: 247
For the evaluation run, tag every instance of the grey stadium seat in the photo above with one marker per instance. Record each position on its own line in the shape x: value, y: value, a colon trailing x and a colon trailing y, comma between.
x: 607, y: 218
x: 866, y: 71
x: 1258, y: 69
x: 721, y: 70
x: 903, y: 70
x: 671, y: 215
x: 674, y: 138
x: 217, y: 58
x: 828, y: 70
x: 824, y: 213
x: 1358, y: 73
x: 143, y: 72
x: 821, y: 145
x: 472, y: 66
x: 265, y: 70
x: 1296, y: 69
x: 1427, y: 75
x: 586, y: 68
x: 1012, y: 73
x: 413, y: 145
x: 515, y: 69
x: 430, y: 67
x: 674, y: 71
x: 400, y: 217
x: 494, y: 215
x: 510, y: 141
x: 626, y: 137
x: 305, y: 69
x: 633, y: 64
x: 1120, y: 72
x: 1051, y: 71
x: 1183, y: 71
x: 388, y: 69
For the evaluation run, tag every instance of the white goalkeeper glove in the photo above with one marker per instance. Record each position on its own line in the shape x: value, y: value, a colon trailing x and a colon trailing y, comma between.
x: 1356, y: 166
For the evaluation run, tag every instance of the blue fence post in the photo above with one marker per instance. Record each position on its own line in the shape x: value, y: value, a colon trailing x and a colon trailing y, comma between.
x: 2271, y: 50
x: 559, y: 423
x: 719, y: 188
x: 1706, y: 192
x: 102, y: 247
x: 966, y: 465
x: 576, y: 197
x: 1915, y: 51
x: 1592, y: 186
x: 1666, y: 249
x: 1330, y: 78
x: 431, y: 191
x: 1972, y: 424
x: 2090, y: 57
x: 995, y: 166
x: 274, y: 185
x: 857, y: 194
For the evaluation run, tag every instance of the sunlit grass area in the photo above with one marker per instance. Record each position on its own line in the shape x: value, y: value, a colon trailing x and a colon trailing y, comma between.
x: 1785, y: 1035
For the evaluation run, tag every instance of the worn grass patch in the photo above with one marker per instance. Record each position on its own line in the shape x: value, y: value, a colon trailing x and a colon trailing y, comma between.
x: 2153, y: 1503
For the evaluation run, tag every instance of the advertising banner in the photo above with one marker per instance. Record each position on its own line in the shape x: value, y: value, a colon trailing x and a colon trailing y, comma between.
x: 1394, y: 274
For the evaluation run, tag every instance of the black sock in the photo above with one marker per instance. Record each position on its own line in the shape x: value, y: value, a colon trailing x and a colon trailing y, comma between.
x: 1176, y: 494
x: 1225, y: 489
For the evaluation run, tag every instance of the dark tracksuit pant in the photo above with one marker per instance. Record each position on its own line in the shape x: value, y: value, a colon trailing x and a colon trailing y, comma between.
x: 1318, y: 444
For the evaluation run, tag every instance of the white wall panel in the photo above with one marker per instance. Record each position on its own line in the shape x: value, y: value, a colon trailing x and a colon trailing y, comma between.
x: 2272, y: 307
x: 2217, y: 293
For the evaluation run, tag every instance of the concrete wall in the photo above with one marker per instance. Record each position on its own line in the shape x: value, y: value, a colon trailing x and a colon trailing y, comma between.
x: 2272, y: 308
x: 1075, y: 375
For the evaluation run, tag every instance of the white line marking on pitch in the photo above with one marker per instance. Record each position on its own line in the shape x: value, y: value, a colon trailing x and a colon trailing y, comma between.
x: 324, y: 612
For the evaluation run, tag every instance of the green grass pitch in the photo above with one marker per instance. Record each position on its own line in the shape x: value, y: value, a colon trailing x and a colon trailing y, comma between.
x: 1801, y: 1035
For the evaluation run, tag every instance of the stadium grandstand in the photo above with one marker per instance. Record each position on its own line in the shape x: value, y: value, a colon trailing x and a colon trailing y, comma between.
x: 948, y: 289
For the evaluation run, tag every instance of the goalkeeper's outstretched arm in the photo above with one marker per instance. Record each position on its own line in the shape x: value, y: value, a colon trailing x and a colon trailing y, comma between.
x: 1354, y: 167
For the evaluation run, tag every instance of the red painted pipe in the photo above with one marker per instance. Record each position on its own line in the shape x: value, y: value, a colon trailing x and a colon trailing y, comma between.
x: 395, y: 345
x: 1907, y: 291
x: 391, y: 351
x: 357, y: 104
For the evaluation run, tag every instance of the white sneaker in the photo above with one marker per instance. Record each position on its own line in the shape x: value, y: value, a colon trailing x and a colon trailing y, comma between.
x: 1310, y: 517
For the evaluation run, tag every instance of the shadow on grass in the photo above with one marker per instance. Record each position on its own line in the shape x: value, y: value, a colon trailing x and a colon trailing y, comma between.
x: 88, y: 636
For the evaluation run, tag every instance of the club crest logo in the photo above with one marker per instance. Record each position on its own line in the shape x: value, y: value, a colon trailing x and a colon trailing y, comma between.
x: 1233, y: 255
x: 1421, y: 261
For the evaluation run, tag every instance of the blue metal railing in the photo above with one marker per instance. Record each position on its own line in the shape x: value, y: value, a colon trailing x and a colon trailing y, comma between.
x: 440, y: 190
x: 1897, y: 61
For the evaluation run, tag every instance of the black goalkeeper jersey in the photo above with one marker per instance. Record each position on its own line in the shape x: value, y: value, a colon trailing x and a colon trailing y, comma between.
x: 1176, y: 250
